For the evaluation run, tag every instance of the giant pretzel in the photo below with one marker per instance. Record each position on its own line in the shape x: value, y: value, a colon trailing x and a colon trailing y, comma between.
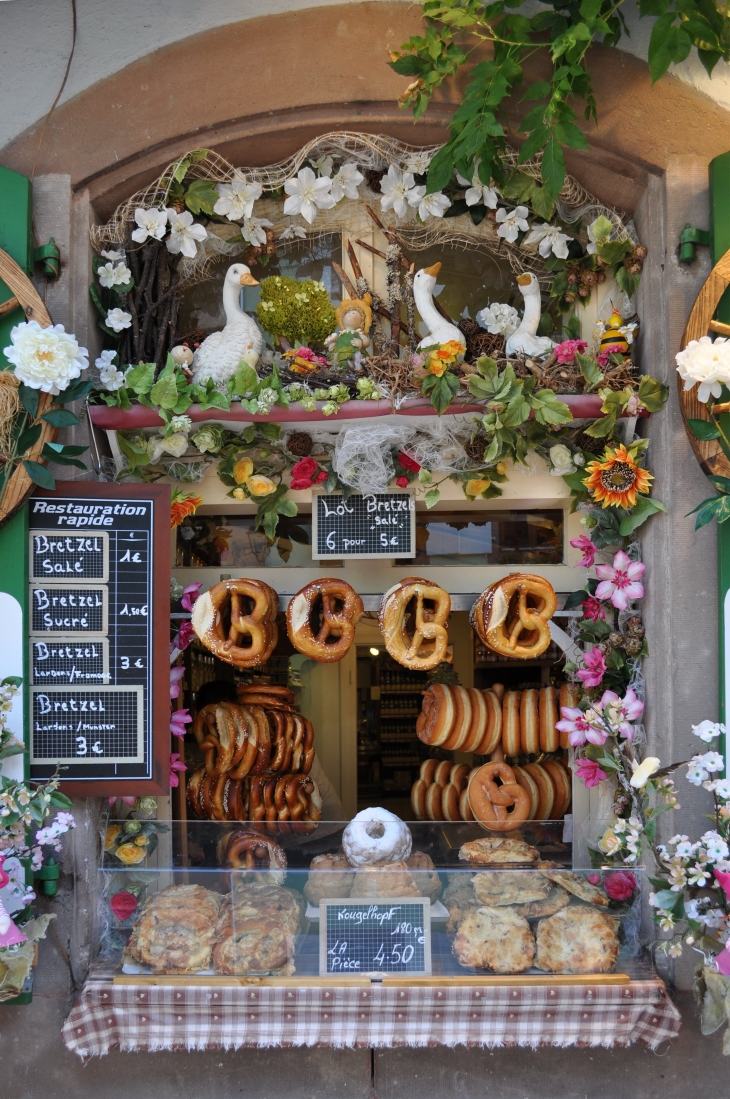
x: 341, y: 609
x: 491, y: 803
x: 511, y: 616
x: 419, y: 638
x: 222, y: 621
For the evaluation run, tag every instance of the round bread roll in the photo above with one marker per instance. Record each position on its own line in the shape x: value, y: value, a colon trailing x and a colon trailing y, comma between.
x: 548, y: 707
x: 493, y: 731
x: 528, y: 783
x: 479, y: 720
x: 511, y: 739
x: 462, y: 719
x: 546, y: 789
x: 450, y: 802
x: 442, y: 774
x: 529, y: 723
x: 498, y: 689
x: 418, y: 799
x: 427, y: 770
x: 434, y: 809
x: 436, y: 719
x: 465, y: 812
x: 563, y: 787
x: 459, y: 776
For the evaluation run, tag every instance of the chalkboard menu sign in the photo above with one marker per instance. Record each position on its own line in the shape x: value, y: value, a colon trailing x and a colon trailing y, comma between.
x: 381, y: 524
x: 98, y: 613
x: 390, y: 936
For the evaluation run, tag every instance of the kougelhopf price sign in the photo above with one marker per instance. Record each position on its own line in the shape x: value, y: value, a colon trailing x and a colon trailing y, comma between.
x: 98, y: 611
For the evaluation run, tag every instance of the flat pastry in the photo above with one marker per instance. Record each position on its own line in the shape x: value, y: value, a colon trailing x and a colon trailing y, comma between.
x: 258, y: 945
x: 497, y: 850
x: 175, y: 932
x: 495, y: 938
x: 424, y: 874
x: 386, y: 879
x: 460, y: 899
x: 578, y: 939
x: 556, y: 899
x: 578, y: 886
x: 502, y: 887
x: 329, y: 876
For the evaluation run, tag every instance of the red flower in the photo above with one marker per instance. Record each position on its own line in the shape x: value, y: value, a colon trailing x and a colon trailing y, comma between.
x: 123, y: 905
x: 302, y: 474
x: 593, y: 609
x: 402, y: 482
x: 620, y: 886
x: 321, y: 477
x: 590, y: 772
x: 407, y: 462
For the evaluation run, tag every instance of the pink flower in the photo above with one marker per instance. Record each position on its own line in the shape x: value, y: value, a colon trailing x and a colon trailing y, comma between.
x: 127, y: 801
x: 402, y: 482
x: 591, y: 675
x: 602, y: 358
x: 724, y: 879
x: 621, y: 885
x: 190, y: 594
x: 593, y: 609
x: 565, y: 351
x: 321, y: 477
x: 594, y: 879
x: 620, y: 581
x: 587, y: 548
x: 175, y: 765
x: 619, y: 713
x: 589, y: 772
x: 579, y: 726
x: 176, y: 675
x: 309, y: 355
x: 184, y: 636
x: 178, y: 720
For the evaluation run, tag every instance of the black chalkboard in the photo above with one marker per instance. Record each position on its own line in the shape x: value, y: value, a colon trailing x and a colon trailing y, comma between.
x: 98, y: 685
x: 380, y: 524
x: 365, y: 937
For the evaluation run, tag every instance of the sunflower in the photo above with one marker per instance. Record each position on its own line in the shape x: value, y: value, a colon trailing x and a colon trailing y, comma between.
x: 617, y: 479
x: 181, y: 505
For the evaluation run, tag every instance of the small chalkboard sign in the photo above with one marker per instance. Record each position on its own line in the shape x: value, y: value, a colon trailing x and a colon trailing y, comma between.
x: 380, y: 524
x: 98, y: 623
x: 372, y: 938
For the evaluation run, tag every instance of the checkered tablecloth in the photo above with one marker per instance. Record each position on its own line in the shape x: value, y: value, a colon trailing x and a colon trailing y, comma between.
x: 154, y: 1017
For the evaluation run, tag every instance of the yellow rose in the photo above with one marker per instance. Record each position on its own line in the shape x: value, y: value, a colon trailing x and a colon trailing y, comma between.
x: 110, y: 835
x: 141, y: 841
x: 238, y: 494
x: 501, y: 468
x: 260, y: 486
x: 476, y: 486
x: 242, y: 471
x: 609, y: 842
x: 130, y: 854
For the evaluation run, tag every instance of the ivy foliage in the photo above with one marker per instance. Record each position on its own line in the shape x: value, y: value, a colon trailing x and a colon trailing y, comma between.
x: 565, y: 30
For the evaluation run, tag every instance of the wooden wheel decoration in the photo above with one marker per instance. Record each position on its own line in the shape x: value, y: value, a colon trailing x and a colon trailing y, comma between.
x: 25, y: 296
x: 708, y: 452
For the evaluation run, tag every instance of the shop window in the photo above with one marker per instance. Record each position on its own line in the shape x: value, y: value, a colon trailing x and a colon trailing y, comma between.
x: 205, y: 541
x: 532, y: 537
x: 470, y: 280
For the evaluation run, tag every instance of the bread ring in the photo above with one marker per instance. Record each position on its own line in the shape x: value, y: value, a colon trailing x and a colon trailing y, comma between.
x: 450, y: 802
x: 511, y: 616
x: 462, y: 719
x: 340, y: 607
x: 245, y: 849
x: 235, y: 804
x: 570, y: 695
x: 528, y: 783
x: 427, y: 645
x: 193, y: 790
x: 376, y: 835
x: 278, y: 742
x: 479, y: 720
x: 465, y: 812
x: 549, y: 735
x: 459, y: 776
x: 442, y: 774
x: 498, y: 689
x: 529, y: 722
x: 418, y: 799
x: 491, y: 804
x: 263, y: 740
x: 511, y: 739
x: 434, y: 807
x: 222, y: 622
x: 283, y: 693
x: 563, y: 787
x: 493, y: 729
x: 308, y: 745
x: 257, y: 808
x: 427, y: 770
x: 545, y: 788
x: 436, y: 719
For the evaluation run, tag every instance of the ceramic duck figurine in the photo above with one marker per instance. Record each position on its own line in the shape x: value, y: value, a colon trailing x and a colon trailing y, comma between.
x: 219, y: 355
x: 440, y: 331
x: 10, y: 935
x: 525, y: 341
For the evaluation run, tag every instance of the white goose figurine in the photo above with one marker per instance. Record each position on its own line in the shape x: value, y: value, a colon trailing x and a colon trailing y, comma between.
x: 440, y: 330
x: 220, y: 353
x: 524, y: 341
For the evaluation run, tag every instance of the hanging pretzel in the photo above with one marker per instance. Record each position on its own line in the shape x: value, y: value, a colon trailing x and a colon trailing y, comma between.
x: 222, y: 622
x: 491, y: 803
x: 416, y: 636
x: 511, y: 616
x: 341, y: 609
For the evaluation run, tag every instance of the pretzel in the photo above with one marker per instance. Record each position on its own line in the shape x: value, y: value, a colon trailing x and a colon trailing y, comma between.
x: 245, y: 719
x: 263, y: 740
x: 271, y: 689
x: 297, y: 788
x: 308, y: 747
x: 243, y: 849
x: 193, y: 791
x: 490, y: 803
x: 267, y: 701
x: 511, y: 616
x: 527, y: 782
x: 257, y: 809
x: 341, y: 609
x: 221, y: 622
x: 234, y: 801
x: 426, y: 646
x: 436, y: 719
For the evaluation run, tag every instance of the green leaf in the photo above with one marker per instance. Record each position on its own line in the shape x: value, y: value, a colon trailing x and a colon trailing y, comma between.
x: 575, y: 599
x: 440, y: 170
x: 39, y: 475
x: 627, y: 282
x: 441, y: 390
x: 287, y: 507
x: 539, y: 90
x: 201, y: 196
x: 702, y: 429
x: 590, y: 371
x: 75, y: 392
x: 603, y: 428
x: 569, y: 134
x: 408, y: 65
x: 432, y: 497
x: 667, y: 899
x: 644, y: 508
x: 29, y: 398
x: 613, y: 251
x: 720, y: 483
x: 28, y: 438
x: 245, y: 380
x: 542, y: 203
x: 553, y: 168
x: 652, y: 393
x: 140, y: 378
x: 60, y: 417
x: 548, y: 409
x: 164, y: 391
x: 716, y: 507
x: 667, y: 44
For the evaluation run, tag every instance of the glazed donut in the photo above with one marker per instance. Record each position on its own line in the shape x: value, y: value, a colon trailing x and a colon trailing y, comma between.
x: 545, y: 788
x: 528, y: 783
x: 465, y: 812
x: 376, y: 835
x: 479, y: 720
x: 221, y: 623
x: 427, y: 645
x: 242, y: 849
x: 436, y: 719
x: 563, y: 787
x: 450, y: 802
x: 498, y: 689
x: 428, y: 766
x: 462, y: 719
x: 493, y: 729
x: 570, y: 695
x: 341, y: 608
x: 442, y: 774
x: 459, y: 776
x: 418, y: 799
x: 491, y: 803
x: 549, y: 735
x: 529, y: 722
x: 434, y: 802
x: 511, y: 739
x: 520, y: 604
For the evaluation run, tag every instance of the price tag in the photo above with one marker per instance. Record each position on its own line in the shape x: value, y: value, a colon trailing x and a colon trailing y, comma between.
x: 371, y: 939
x: 381, y: 524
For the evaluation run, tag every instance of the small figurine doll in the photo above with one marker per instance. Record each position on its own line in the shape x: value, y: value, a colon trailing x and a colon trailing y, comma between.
x: 10, y: 935
x: 354, y: 317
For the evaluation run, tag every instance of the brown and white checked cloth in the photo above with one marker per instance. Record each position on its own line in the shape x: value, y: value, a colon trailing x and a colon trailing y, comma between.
x: 155, y: 1017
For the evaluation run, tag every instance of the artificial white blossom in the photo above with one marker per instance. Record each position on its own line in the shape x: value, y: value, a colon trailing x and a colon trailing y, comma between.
x: 720, y: 787
x: 181, y: 423
x: 308, y: 194
x: 512, y: 223
x: 323, y: 165
x: 708, y: 730
x: 175, y: 445
x: 118, y: 319
x: 433, y: 206
x: 110, y: 377
x: 478, y: 192
x: 548, y: 238
x: 346, y: 182
x: 150, y: 223
x: 399, y: 191
x: 561, y: 460
x: 254, y: 230
x: 236, y: 199
x: 45, y: 358
x: 293, y: 232
x: 113, y: 274
x: 715, y: 846
x: 184, y: 235
x: 499, y: 319
x: 707, y: 362
x: 113, y: 255
x: 418, y: 162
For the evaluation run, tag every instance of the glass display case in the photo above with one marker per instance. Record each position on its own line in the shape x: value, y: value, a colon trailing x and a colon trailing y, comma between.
x: 367, y: 899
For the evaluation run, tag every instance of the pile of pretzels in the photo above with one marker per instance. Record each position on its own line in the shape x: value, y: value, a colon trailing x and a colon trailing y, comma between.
x: 446, y: 791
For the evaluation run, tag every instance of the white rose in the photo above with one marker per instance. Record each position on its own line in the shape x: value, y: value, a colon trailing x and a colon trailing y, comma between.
x: 561, y: 460
x: 45, y: 358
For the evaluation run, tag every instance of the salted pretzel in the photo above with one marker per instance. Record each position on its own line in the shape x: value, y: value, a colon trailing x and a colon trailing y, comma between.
x: 490, y: 803
x: 241, y: 849
x: 222, y: 620
x: 416, y: 638
x: 511, y: 616
x: 341, y: 608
